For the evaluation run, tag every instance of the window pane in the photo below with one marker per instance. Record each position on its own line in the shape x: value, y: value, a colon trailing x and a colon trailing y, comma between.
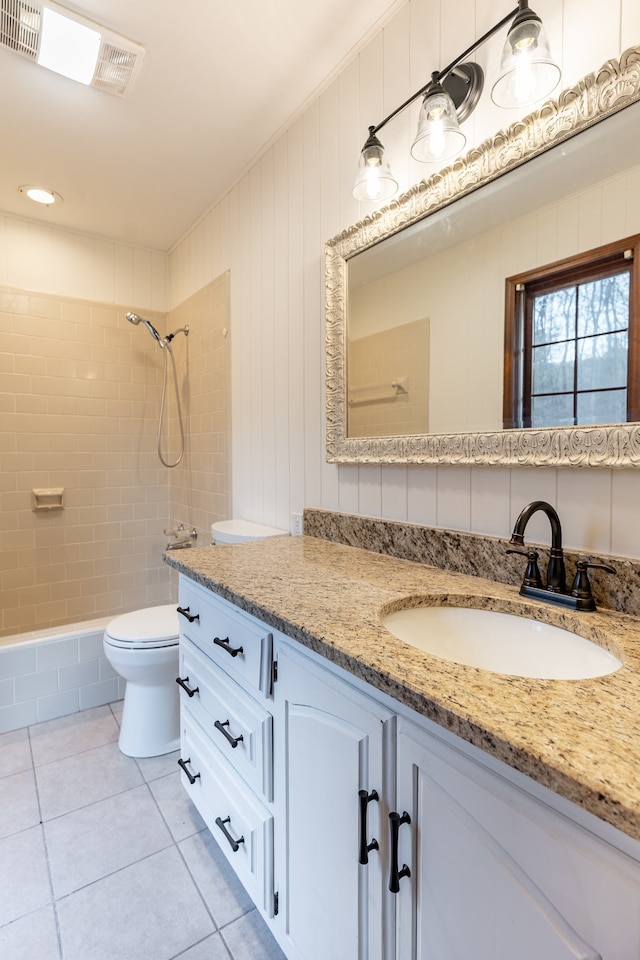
x: 554, y: 316
x: 610, y: 406
x: 603, y: 305
x: 552, y: 368
x: 602, y: 361
x: 552, y: 411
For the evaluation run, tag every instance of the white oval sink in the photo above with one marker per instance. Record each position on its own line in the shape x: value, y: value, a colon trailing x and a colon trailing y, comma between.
x: 500, y: 642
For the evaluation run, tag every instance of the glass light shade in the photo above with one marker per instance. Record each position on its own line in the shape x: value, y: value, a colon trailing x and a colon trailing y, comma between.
x: 374, y: 180
x: 439, y: 136
x: 68, y: 47
x: 528, y: 72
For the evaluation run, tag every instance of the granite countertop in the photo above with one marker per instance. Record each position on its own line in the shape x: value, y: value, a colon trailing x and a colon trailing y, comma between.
x: 580, y: 738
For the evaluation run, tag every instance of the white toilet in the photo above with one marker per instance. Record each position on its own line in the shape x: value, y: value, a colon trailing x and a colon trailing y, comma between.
x: 142, y: 647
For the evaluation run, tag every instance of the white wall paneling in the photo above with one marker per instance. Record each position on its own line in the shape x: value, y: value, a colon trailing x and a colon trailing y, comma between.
x: 41, y: 259
x: 299, y: 197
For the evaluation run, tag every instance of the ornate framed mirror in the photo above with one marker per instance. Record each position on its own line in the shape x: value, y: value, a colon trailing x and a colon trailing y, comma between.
x: 446, y: 309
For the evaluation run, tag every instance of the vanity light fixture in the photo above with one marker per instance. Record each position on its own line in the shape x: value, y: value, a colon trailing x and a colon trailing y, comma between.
x: 527, y: 74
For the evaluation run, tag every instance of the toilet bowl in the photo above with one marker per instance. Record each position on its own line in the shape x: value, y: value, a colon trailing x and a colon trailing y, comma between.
x: 142, y: 647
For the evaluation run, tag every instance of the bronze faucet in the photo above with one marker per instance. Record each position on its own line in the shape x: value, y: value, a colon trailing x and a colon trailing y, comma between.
x: 555, y: 591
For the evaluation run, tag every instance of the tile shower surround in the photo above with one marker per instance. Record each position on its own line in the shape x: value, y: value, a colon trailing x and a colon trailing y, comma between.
x: 479, y: 556
x: 105, y: 858
x: 79, y: 402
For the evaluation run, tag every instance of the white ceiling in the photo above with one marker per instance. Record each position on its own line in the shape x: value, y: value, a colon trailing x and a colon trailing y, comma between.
x: 218, y: 80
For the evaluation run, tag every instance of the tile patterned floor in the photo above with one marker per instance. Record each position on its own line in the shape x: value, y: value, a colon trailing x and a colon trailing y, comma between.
x: 103, y: 857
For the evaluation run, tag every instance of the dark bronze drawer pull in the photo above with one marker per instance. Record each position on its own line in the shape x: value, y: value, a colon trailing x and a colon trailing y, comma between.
x: 192, y: 777
x: 234, y: 741
x: 188, y: 690
x: 234, y: 844
x: 395, y: 822
x: 185, y: 613
x: 366, y: 848
x: 232, y: 651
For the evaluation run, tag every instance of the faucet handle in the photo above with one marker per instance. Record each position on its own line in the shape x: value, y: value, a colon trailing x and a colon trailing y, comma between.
x: 581, y: 586
x: 532, y: 576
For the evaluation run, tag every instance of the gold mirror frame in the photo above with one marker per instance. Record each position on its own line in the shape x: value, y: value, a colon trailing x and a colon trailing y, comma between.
x: 598, y: 96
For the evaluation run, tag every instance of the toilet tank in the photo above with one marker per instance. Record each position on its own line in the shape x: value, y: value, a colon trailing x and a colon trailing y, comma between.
x: 238, y: 531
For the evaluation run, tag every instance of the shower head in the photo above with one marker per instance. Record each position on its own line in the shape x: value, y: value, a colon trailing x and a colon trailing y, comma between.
x: 136, y: 319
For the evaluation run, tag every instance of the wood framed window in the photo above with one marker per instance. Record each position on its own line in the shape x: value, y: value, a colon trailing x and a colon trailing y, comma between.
x: 572, y: 340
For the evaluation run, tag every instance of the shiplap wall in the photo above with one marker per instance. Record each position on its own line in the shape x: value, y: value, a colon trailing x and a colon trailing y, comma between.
x: 37, y: 258
x: 269, y: 231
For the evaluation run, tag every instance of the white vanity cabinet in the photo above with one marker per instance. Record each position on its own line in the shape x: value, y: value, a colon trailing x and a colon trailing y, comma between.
x: 334, y: 793
x: 496, y: 873
x: 226, y: 732
x: 334, y: 745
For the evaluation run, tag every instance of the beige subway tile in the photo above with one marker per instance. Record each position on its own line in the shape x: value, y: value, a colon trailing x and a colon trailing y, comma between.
x: 14, y: 302
x: 30, y: 404
x: 45, y: 307
x: 38, y: 593
x: 77, y: 388
x: 62, y: 367
x: 47, y: 385
x: 54, y: 611
x: 75, y: 311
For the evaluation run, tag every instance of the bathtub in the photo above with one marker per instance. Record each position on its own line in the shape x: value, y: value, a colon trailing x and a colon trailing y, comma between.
x: 50, y: 673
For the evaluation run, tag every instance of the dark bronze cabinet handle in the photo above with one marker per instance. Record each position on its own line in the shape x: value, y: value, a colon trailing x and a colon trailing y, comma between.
x: 192, y: 777
x: 395, y: 875
x: 366, y: 848
x: 188, y: 690
x: 232, y: 651
x: 234, y: 844
x: 185, y: 613
x: 234, y: 741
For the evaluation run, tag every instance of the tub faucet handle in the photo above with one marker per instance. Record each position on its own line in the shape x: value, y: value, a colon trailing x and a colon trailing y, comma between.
x: 174, y: 531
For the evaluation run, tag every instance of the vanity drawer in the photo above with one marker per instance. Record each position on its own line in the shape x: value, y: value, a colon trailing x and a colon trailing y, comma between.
x: 241, y: 825
x: 238, y: 725
x: 238, y: 643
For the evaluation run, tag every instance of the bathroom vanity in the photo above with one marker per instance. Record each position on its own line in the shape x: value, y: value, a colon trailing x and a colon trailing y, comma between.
x: 379, y: 803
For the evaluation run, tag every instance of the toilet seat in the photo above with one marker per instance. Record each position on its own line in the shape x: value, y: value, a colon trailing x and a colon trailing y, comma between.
x: 145, y: 629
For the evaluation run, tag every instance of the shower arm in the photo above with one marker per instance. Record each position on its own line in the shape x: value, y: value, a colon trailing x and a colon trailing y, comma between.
x: 169, y: 337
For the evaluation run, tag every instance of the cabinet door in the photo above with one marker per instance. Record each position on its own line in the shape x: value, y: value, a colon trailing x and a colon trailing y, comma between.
x: 331, y: 744
x: 468, y: 894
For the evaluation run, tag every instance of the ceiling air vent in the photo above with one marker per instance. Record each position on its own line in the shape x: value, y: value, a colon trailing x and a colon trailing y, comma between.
x: 119, y: 59
x: 20, y: 26
x: 119, y: 62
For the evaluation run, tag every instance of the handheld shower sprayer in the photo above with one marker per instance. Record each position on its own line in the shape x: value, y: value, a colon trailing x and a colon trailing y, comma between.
x: 135, y: 318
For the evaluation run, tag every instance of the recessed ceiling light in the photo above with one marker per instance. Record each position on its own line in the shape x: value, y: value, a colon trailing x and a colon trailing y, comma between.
x: 40, y: 195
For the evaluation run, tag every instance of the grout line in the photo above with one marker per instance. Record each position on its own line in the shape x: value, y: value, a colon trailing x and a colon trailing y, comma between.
x: 46, y: 848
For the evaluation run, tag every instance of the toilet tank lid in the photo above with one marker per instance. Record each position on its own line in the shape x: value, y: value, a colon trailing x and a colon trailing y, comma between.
x: 237, y: 531
x: 144, y: 626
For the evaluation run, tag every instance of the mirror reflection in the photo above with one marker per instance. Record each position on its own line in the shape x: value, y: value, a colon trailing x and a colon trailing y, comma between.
x: 425, y: 308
